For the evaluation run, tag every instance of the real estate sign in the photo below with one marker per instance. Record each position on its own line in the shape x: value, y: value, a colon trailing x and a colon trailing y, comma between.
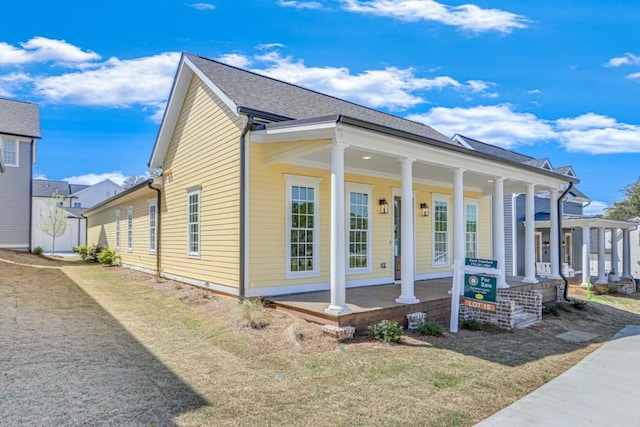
x: 480, y: 287
x: 479, y: 262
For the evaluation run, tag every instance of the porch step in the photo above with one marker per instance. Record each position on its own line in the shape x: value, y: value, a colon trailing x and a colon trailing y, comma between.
x: 522, y: 319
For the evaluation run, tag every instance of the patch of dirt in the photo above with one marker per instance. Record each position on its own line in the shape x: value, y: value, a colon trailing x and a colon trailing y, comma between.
x: 23, y: 257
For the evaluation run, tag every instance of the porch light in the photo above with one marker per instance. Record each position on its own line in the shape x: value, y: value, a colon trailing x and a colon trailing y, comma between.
x: 384, y: 206
x: 424, y: 209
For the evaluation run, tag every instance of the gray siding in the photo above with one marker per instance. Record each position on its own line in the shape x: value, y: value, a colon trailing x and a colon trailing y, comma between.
x: 508, y: 235
x: 572, y: 208
x: 519, y: 216
x: 15, y: 205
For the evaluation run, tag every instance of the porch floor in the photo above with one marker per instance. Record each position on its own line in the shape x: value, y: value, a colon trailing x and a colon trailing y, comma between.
x: 370, y: 304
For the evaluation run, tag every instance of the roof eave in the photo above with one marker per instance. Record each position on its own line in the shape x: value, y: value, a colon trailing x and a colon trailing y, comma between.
x: 126, y: 192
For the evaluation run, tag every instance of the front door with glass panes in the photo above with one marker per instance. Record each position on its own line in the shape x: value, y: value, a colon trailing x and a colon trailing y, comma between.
x: 397, y: 255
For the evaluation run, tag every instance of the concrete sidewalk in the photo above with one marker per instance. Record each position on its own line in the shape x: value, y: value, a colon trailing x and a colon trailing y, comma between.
x: 601, y: 390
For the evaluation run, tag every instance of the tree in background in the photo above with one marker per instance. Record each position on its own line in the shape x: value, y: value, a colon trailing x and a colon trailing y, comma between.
x: 134, y: 180
x: 53, y: 219
x: 629, y: 207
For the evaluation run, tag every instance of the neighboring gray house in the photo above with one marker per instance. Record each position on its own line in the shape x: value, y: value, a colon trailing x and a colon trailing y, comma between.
x: 78, y: 198
x: 514, y: 211
x: 19, y: 131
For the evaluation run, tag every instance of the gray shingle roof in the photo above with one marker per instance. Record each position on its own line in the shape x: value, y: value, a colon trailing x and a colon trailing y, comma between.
x: 492, y: 150
x: 287, y: 101
x: 19, y: 118
x: 45, y: 188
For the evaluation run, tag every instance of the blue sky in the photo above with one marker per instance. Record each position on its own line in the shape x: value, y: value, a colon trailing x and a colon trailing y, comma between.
x: 549, y: 79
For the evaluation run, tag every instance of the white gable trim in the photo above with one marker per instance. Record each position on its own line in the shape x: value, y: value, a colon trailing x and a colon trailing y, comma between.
x: 186, y: 70
x: 546, y: 165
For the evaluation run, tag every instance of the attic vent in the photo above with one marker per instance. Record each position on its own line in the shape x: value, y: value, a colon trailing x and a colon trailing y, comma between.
x: 546, y: 165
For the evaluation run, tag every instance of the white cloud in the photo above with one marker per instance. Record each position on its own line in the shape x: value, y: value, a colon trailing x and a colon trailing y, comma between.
x: 269, y: 46
x: 11, y: 82
x: 300, y: 4
x: 595, y: 208
x: 202, y: 6
x: 41, y: 49
x: 534, y: 92
x: 633, y: 76
x: 467, y: 16
x: 626, y: 59
x: 92, y: 178
x: 391, y: 87
x: 235, y: 60
x: 144, y: 81
x: 499, y: 124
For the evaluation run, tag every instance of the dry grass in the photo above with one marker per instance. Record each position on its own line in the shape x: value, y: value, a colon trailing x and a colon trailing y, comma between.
x: 251, y: 314
x: 271, y: 376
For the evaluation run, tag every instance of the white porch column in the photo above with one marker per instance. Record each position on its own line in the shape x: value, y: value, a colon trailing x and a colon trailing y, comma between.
x: 586, y: 260
x: 459, y: 239
x: 338, y: 304
x: 614, y: 254
x: 407, y: 291
x: 530, y: 236
x: 554, y: 240
x: 626, y: 255
x: 498, y: 220
x: 602, y: 274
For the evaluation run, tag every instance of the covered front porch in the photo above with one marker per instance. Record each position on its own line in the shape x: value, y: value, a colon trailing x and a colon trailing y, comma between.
x: 370, y: 304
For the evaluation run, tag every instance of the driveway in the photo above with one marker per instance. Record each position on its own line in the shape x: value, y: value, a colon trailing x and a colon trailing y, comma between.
x: 65, y: 361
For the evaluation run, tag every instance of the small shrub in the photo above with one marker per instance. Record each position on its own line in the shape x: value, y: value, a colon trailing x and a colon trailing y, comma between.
x: 555, y: 309
x: 579, y: 305
x: 92, y: 253
x: 37, y: 250
x: 83, y: 251
x: 472, y: 325
x: 385, y: 331
x: 252, y: 314
x: 293, y: 332
x: 429, y: 327
x: 108, y: 257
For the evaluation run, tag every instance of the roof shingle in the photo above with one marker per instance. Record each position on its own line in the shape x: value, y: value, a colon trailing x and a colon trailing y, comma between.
x: 19, y: 118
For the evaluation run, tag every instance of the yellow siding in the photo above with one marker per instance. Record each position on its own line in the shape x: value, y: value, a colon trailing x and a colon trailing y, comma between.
x: 204, y: 151
x: 267, y: 221
x: 101, y: 228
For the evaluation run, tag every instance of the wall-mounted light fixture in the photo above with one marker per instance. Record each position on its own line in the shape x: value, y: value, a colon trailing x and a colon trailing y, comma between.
x: 384, y: 206
x: 424, y: 209
x: 546, y: 244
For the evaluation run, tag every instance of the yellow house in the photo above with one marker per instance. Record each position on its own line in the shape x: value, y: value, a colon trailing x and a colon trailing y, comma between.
x: 271, y: 189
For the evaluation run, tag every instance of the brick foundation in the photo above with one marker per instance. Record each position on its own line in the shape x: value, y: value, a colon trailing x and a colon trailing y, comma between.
x: 514, y: 309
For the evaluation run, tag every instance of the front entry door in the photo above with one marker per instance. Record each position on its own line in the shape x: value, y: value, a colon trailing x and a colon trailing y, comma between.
x: 396, y: 237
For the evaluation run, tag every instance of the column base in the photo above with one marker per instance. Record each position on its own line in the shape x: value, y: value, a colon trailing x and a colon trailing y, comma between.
x: 407, y: 300
x: 584, y: 285
x: 627, y: 278
x: 600, y: 281
x: 529, y: 280
x: 337, y: 310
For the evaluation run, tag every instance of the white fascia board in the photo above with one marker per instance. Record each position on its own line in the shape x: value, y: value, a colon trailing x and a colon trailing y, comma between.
x: 589, y: 222
x: 377, y: 142
x: 186, y: 70
x: 302, y: 132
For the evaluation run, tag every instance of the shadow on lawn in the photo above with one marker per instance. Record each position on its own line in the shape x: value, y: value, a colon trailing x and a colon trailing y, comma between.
x: 65, y: 360
x: 513, y: 348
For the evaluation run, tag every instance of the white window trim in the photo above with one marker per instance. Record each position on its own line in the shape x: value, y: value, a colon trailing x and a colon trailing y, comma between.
x: 118, y: 226
x: 305, y: 181
x: 368, y: 190
x: 130, y: 225
x: 152, y: 202
x: 190, y: 254
x: 17, y: 144
x: 475, y: 203
x: 446, y: 198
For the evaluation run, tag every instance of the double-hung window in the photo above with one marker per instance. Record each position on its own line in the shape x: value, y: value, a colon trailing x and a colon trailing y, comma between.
x: 130, y: 229
x: 118, y: 229
x: 10, y: 152
x: 302, y: 226
x: 440, y: 231
x: 359, y: 228
x: 193, y: 223
x: 471, y: 228
x: 152, y: 225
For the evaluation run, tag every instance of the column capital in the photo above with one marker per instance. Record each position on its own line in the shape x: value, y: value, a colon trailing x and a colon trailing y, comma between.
x: 458, y: 171
x: 406, y: 160
x: 498, y: 179
x: 338, y: 146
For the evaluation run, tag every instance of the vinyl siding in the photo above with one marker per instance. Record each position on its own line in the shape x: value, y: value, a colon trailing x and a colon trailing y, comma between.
x: 15, y: 193
x: 268, y: 211
x: 203, y: 152
x: 101, y: 228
